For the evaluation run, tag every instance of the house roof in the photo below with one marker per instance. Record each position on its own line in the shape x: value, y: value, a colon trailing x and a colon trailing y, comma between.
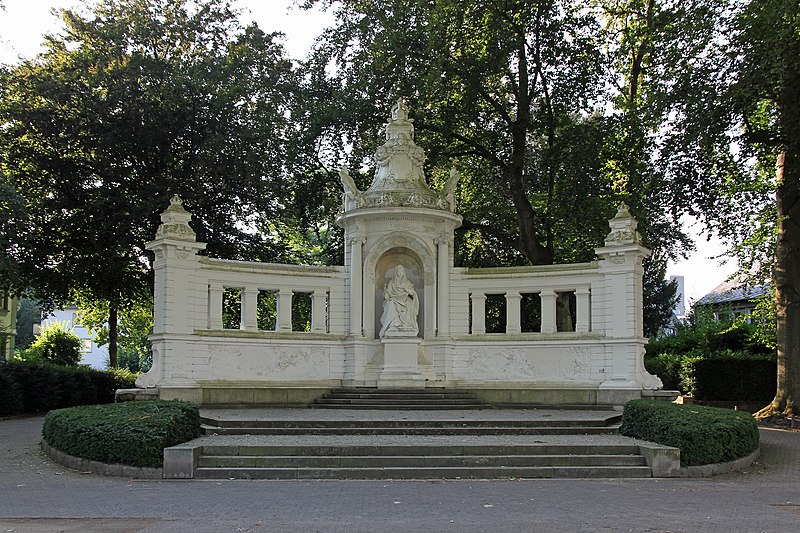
x: 735, y: 290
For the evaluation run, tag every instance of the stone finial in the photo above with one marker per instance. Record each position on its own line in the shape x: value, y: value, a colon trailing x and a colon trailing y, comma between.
x: 623, y: 228
x: 175, y: 222
x: 400, y: 110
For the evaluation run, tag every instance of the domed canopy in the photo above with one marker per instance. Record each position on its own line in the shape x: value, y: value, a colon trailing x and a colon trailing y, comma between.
x: 399, y: 177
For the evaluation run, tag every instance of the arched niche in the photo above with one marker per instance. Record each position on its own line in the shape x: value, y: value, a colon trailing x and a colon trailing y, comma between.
x: 416, y: 246
x: 415, y: 272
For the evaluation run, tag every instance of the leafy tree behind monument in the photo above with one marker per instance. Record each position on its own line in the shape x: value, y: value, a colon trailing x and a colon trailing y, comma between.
x: 131, y: 103
x: 515, y: 94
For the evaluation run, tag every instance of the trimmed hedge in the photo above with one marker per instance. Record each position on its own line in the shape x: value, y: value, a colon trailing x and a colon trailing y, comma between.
x: 705, y: 435
x: 41, y: 387
x: 744, y: 380
x: 131, y: 433
x: 728, y: 377
x: 10, y: 396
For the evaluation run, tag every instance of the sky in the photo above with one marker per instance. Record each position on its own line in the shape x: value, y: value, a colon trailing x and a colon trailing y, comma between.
x: 24, y: 22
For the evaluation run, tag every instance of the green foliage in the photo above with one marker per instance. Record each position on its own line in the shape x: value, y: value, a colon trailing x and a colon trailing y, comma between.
x: 765, y: 318
x: 704, y: 336
x: 660, y: 297
x: 131, y: 102
x: 734, y: 379
x: 11, y: 399
x: 714, y: 359
x: 56, y: 344
x: 29, y: 313
x: 135, y: 323
x: 132, y: 433
x: 45, y: 386
x: 490, y: 94
x: 705, y: 435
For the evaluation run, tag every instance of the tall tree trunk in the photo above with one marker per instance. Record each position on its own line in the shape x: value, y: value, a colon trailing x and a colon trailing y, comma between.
x: 112, y: 335
x: 787, y: 263
x: 787, y: 288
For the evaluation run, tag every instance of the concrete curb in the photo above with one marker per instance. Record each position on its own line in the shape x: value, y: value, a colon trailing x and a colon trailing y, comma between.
x: 720, y: 468
x: 102, y: 469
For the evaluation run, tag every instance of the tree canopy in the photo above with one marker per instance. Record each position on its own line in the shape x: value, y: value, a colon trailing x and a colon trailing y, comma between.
x: 133, y: 102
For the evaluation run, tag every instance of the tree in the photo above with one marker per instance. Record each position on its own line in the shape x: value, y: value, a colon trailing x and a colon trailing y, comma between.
x: 730, y: 91
x: 134, y: 102
x: 135, y: 324
x: 29, y: 313
x: 489, y: 87
x: 55, y: 344
x: 515, y: 94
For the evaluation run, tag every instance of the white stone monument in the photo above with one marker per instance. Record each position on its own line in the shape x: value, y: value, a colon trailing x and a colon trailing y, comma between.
x: 398, y: 313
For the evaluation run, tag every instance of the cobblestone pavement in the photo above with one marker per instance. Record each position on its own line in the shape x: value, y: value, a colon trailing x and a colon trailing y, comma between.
x: 38, y: 495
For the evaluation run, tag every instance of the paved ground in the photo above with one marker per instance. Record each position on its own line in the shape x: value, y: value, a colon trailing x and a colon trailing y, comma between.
x: 37, y: 495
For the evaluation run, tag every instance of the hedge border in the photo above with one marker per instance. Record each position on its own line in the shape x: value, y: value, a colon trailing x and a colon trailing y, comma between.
x: 705, y: 435
x: 131, y: 433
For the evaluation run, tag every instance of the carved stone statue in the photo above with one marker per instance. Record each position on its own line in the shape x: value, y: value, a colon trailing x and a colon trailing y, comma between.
x: 400, y: 305
x: 352, y: 197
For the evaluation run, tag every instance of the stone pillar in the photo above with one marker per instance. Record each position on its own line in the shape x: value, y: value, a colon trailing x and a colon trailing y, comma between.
x: 176, y: 248
x: 582, y: 310
x: 356, y: 285
x: 621, y: 267
x: 548, y: 299
x: 478, y: 313
x: 215, y: 291
x: 249, y: 299
x: 319, y: 301
x: 513, y: 318
x: 284, y: 321
x: 443, y: 287
x: 180, y: 304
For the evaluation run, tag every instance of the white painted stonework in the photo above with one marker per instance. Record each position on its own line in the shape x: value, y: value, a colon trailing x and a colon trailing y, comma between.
x: 437, y: 336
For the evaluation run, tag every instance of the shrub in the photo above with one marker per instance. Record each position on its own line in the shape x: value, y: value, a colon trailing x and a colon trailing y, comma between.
x: 56, y: 344
x: 132, y: 433
x: 704, y: 435
x: 734, y: 379
x: 673, y: 369
x: 10, y: 396
x: 44, y: 386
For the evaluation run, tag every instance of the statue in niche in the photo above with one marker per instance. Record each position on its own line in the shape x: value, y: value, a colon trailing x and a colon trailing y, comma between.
x: 400, y: 305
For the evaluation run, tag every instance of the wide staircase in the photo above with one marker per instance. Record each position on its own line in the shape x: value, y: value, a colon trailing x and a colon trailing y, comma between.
x: 406, y: 399
x: 408, y: 434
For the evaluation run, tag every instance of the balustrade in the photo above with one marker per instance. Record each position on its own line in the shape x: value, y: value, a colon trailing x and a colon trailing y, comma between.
x: 575, y: 315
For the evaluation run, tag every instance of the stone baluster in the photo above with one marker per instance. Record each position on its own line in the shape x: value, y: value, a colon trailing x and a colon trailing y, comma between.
x: 548, y: 299
x: 478, y: 313
x: 513, y: 318
x: 249, y: 311
x: 284, y: 321
x: 319, y: 301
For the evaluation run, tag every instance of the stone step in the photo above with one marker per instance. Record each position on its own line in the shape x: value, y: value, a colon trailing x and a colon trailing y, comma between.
x: 419, y: 449
x: 407, y: 430
x: 416, y: 461
x: 412, y: 423
x: 375, y: 390
x: 407, y: 400
x: 474, y: 472
x: 400, y: 406
x: 397, y: 396
x: 414, y: 399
